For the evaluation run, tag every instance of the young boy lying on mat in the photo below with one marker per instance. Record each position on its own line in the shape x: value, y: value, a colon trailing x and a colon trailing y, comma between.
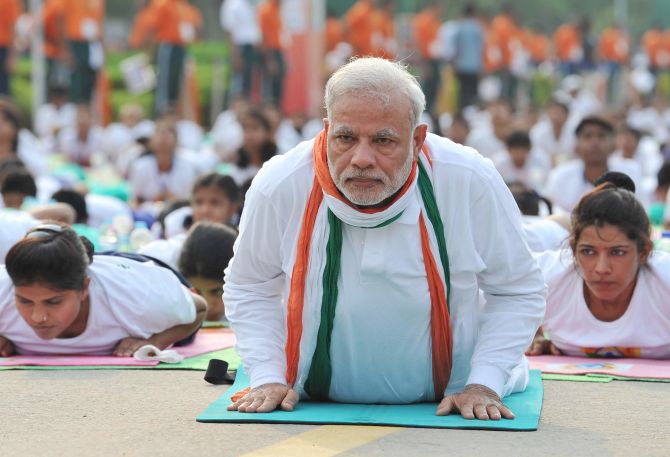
x: 608, y: 295
x: 56, y: 297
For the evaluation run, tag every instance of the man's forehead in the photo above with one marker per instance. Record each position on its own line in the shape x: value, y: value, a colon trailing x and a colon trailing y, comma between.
x: 354, y: 129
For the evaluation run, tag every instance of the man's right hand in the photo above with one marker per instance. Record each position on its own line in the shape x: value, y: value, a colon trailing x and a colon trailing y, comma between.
x: 266, y: 398
x: 6, y: 347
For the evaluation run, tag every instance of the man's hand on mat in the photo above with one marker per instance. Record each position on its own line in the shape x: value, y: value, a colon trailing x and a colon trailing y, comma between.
x: 266, y: 398
x: 476, y: 401
x: 128, y: 346
x: 542, y: 346
x: 6, y: 347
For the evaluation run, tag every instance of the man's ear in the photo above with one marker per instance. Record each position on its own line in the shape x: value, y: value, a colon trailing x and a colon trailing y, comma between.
x: 419, y: 136
x: 326, y: 124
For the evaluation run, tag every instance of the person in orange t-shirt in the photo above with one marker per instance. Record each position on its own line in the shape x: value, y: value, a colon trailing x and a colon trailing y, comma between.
x: 652, y: 44
x: 426, y: 26
x: 54, y: 46
x: 273, y: 68
x: 177, y: 23
x: 11, y: 10
x: 567, y: 42
x: 144, y: 26
x: 383, y: 31
x: 538, y: 44
x: 613, y: 50
x: 359, y: 22
x: 81, y: 27
x: 505, y: 28
x: 334, y: 31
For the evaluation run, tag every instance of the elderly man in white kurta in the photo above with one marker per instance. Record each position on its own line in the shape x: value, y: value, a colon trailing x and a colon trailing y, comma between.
x: 380, y: 264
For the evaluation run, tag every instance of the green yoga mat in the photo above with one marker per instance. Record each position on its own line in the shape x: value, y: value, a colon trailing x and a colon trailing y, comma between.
x: 526, y: 406
x: 595, y: 377
x: 198, y: 363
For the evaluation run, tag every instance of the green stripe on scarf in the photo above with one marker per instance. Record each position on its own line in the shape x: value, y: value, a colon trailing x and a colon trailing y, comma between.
x: 317, y: 385
x: 321, y: 370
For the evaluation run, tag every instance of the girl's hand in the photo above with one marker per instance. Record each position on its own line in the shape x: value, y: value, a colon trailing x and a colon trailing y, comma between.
x: 6, y: 347
x: 542, y: 346
x: 128, y: 346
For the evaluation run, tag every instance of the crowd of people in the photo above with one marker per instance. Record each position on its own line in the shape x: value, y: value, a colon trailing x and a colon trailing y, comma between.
x: 115, y: 235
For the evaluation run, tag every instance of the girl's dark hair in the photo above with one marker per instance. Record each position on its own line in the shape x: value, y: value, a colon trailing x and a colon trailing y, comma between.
x: 268, y: 149
x: 207, y: 250
x: 76, y: 201
x: 51, y: 254
x: 224, y: 183
x: 609, y: 204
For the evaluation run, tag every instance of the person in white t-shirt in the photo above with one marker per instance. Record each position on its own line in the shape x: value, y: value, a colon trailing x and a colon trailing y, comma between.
x: 552, y: 135
x: 568, y: 182
x: 57, y: 298
x: 215, y: 199
x: 608, y: 293
x: 162, y: 174
x: 84, y: 139
x: 520, y: 162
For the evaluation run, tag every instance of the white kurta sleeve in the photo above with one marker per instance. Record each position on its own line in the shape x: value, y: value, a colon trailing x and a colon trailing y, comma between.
x: 512, y: 283
x: 253, y: 288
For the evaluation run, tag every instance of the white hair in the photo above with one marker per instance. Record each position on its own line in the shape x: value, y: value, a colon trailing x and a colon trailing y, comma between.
x: 378, y: 78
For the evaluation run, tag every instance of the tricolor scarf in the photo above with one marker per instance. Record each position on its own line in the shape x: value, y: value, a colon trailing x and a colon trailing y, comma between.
x: 328, y: 225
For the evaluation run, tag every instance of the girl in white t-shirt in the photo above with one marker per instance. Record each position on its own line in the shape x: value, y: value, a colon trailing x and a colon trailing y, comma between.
x: 608, y: 294
x: 57, y: 298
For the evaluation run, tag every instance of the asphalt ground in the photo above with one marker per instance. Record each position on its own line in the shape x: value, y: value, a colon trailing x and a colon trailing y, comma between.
x: 151, y: 412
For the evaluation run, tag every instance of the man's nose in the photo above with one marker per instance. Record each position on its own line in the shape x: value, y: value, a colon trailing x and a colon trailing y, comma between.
x: 363, y: 155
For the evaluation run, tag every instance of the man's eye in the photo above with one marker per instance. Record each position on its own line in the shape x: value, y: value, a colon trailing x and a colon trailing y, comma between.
x: 345, y: 138
x: 383, y: 141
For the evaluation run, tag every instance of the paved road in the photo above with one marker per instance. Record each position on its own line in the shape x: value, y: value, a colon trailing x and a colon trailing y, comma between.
x: 152, y: 413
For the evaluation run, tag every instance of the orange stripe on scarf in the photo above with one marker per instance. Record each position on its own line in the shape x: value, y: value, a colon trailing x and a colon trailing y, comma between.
x: 440, y: 323
x: 296, y: 296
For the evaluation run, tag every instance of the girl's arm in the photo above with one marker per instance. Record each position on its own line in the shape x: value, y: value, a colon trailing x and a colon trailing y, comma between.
x: 128, y: 346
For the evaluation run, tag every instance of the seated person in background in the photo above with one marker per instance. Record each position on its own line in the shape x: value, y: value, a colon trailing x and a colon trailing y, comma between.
x: 205, y: 254
x: 56, y: 297
x: 162, y: 173
x: 15, y: 187
x: 542, y: 233
x: 458, y: 129
x: 608, y: 294
x: 520, y: 162
x: 258, y: 146
x: 568, y: 182
x: 215, y: 199
x: 656, y: 209
x: 79, y: 142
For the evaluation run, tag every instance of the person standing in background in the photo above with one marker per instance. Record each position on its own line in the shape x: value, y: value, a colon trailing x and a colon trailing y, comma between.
x: 81, y: 27
x: 383, y: 31
x: 177, y: 25
x: 240, y: 24
x: 469, y: 62
x: 274, y: 67
x: 613, y: 50
x: 10, y: 10
x: 426, y: 26
x: 144, y: 26
x: 333, y: 31
x: 505, y: 29
x: 359, y: 27
x: 568, y: 46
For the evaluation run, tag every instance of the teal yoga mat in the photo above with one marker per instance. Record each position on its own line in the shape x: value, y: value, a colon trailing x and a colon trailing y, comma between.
x: 526, y: 406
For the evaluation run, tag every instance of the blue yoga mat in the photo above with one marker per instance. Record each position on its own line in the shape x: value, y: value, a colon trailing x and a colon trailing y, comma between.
x: 526, y: 406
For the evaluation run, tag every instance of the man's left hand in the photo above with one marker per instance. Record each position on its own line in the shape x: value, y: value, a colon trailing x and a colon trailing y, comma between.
x: 476, y: 401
